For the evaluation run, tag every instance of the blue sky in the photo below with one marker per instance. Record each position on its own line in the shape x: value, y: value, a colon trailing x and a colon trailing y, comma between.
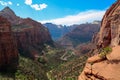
x: 65, y: 12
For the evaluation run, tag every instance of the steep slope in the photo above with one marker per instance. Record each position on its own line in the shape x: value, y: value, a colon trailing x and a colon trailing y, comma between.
x: 84, y: 48
x: 31, y: 37
x: 30, y: 70
x: 107, y: 66
x: 29, y: 34
x: 8, y: 48
x: 81, y: 34
x: 57, y: 31
x: 69, y: 70
x: 110, y: 30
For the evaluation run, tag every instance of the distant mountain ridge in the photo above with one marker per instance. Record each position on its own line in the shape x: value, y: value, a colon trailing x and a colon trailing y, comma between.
x: 81, y: 34
x: 57, y: 31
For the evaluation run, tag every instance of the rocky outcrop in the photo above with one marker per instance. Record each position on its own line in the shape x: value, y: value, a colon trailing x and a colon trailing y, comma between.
x: 100, y: 69
x: 29, y: 34
x: 106, y: 68
x: 110, y: 27
x: 8, y: 48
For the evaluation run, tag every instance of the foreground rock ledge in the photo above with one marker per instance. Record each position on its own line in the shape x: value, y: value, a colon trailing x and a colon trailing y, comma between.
x: 108, y: 69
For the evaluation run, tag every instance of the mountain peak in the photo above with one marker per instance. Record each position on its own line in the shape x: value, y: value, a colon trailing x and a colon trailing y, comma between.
x: 8, y: 11
x: 9, y: 14
x: 7, y: 7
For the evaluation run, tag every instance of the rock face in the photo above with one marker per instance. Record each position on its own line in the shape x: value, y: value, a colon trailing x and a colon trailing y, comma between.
x: 103, y: 69
x: 110, y: 27
x: 106, y: 69
x: 81, y: 34
x: 29, y: 34
x: 8, y: 48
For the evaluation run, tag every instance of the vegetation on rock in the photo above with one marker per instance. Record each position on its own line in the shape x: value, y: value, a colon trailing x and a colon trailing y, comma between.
x: 105, y: 51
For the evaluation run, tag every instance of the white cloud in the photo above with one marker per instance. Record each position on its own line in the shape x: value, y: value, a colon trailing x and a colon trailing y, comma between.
x: 18, y: 4
x: 3, y: 3
x: 43, y: 5
x: 35, y: 6
x: 39, y: 6
x: 10, y: 3
x: 82, y: 17
x: 28, y: 2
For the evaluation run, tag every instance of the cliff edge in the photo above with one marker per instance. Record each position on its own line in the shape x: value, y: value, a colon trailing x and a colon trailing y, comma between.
x: 8, y: 47
x: 107, y: 68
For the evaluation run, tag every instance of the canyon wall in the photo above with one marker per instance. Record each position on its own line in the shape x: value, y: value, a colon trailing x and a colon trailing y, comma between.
x: 108, y: 68
x: 30, y: 35
x: 8, y: 47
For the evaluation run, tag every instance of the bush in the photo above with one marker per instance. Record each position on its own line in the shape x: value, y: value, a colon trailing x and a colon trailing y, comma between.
x: 42, y: 60
x: 19, y: 75
x: 105, y: 51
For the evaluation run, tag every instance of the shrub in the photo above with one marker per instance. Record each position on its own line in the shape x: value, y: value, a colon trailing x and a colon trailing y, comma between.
x: 105, y: 51
x: 42, y: 60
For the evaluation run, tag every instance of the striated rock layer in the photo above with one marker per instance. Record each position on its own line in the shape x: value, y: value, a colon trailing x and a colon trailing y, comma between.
x: 30, y: 35
x: 106, y: 69
x: 8, y: 48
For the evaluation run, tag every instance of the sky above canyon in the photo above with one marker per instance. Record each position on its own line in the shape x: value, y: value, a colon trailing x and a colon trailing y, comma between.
x: 65, y: 12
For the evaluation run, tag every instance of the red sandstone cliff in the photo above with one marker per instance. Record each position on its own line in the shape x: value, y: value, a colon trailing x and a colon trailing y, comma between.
x: 106, y: 69
x: 29, y: 34
x: 110, y: 27
x: 31, y: 37
x: 8, y: 50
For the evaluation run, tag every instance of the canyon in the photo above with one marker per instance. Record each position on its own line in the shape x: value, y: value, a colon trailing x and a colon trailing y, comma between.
x: 28, y: 51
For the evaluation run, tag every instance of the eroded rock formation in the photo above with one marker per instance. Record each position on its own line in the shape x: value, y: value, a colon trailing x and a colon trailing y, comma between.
x: 106, y: 69
x: 8, y: 48
x: 29, y: 34
x: 110, y: 27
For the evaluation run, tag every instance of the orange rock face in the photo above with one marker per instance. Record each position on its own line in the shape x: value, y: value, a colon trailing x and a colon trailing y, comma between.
x: 8, y: 49
x: 101, y: 69
x: 110, y: 26
x: 109, y: 68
